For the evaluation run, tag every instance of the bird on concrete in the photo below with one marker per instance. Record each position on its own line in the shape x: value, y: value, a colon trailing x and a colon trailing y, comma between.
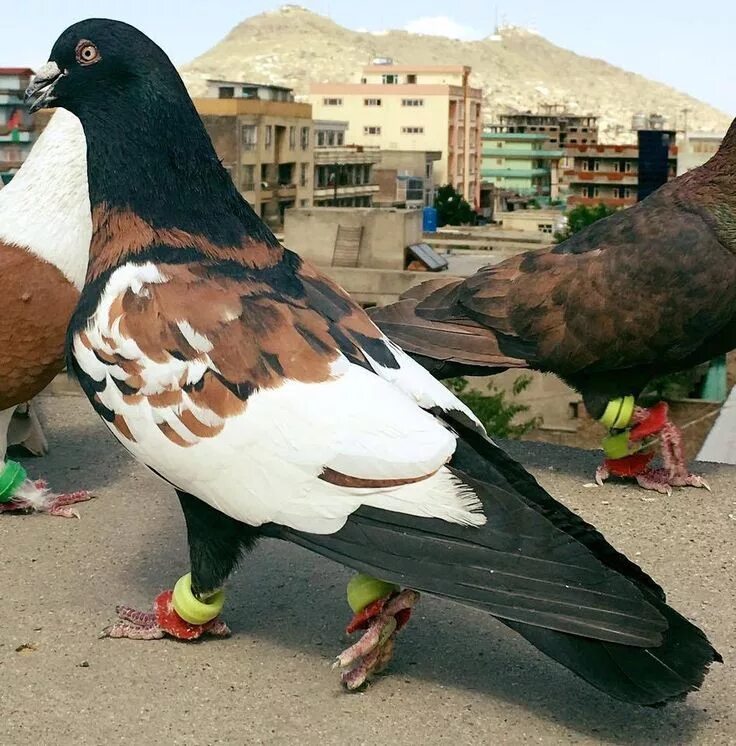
x: 643, y: 293
x: 269, y: 401
x: 45, y: 230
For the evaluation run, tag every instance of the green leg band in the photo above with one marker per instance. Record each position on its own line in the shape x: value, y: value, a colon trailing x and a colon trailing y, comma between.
x: 11, y: 477
x: 363, y: 590
x: 618, y: 413
x: 190, y: 608
x: 618, y: 446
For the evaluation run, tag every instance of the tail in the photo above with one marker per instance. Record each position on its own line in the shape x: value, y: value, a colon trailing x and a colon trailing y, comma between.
x: 541, y: 570
x: 442, y: 345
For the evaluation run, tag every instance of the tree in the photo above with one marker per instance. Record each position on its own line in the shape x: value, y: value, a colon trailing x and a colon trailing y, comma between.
x: 452, y: 209
x: 494, y: 410
x: 581, y: 217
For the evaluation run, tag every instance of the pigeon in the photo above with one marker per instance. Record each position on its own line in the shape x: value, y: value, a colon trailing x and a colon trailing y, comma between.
x: 45, y: 230
x: 643, y: 293
x: 266, y: 398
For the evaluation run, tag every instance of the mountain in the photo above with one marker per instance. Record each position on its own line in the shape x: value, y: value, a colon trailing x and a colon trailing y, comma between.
x: 517, y: 69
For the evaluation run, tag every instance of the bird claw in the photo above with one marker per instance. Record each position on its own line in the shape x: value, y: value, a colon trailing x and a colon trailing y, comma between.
x: 374, y: 650
x: 134, y: 624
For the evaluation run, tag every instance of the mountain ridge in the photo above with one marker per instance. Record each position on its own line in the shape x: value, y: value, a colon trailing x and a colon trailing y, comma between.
x: 518, y: 69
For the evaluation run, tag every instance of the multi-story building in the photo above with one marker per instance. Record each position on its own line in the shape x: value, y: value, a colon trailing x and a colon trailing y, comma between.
x: 520, y: 163
x: 16, y: 124
x: 265, y: 140
x: 695, y: 148
x: 343, y: 174
x: 559, y: 126
x: 406, y: 178
x: 606, y: 173
x: 418, y: 108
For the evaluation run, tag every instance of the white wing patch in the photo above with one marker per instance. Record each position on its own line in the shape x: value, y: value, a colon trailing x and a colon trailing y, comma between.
x: 265, y: 463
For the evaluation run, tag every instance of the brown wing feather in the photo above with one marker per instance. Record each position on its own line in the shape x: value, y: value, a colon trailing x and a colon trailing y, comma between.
x: 648, y: 287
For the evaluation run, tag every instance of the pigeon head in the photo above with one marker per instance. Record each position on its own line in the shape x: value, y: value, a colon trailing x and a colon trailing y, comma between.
x: 147, y: 149
x: 98, y: 63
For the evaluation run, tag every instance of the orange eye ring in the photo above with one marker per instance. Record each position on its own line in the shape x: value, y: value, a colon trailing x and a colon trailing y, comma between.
x: 87, y: 53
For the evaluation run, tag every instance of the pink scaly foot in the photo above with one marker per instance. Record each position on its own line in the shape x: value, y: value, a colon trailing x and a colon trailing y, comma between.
x: 381, y: 620
x: 648, y: 423
x: 162, y: 621
x: 36, y: 497
x: 674, y: 459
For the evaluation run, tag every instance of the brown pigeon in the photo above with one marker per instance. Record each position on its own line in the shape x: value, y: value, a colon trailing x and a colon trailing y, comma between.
x: 645, y: 292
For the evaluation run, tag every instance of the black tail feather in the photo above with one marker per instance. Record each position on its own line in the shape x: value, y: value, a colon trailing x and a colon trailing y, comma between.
x: 541, y: 570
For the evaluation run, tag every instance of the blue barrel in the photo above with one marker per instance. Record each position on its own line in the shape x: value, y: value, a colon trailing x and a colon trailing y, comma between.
x: 429, y: 220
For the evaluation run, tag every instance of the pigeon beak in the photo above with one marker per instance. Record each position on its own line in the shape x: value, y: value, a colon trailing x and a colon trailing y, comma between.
x: 40, y: 93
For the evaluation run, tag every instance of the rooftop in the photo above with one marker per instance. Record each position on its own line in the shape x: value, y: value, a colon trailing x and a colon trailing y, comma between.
x: 16, y: 71
x: 456, y: 672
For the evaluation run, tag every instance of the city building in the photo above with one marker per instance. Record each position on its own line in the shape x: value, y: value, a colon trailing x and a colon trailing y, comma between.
x: 695, y: 148
x: 343, y: 173
x: 559, y: 126
x: 410, y: 107
x: 608, y: 173
x: 406, y: 178
x: 265, y: 140
x: 520, y: 163
x: 16, y: 124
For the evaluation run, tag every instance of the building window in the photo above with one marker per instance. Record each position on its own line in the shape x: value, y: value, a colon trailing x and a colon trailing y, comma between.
x: 411, y: 79
x: 303, y: 176
x: 269, y: 136
x: 226, y: 91
x: 627, y: 167
x: 390, y: 79
x: 597, y: 166
x: 371, y: 102
x: 292, y: 138
x: 332, y: 102
x: 412, y: 102
x: 371, y: 130
x: 412, y: 130
x: 428, y: 170
x: 305, y: 138
x: 339, y: 138
x: 249, y: 136
x: 321, y: 138
x: 249, y: 179
x: 544, y: 227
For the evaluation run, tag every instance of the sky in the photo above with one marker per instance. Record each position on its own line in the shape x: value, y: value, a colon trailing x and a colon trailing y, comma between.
x: 689, y: 45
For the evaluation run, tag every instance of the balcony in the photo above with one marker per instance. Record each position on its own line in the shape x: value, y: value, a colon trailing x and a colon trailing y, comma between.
x: 514, y: 173
x: 286, y: 191
x: 345, y: 190
x: 521, y: 153
x: 623, y: 178
x: 576, y: 199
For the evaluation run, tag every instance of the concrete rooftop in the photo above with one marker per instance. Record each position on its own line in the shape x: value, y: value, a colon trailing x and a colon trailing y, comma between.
x: 459, y: 677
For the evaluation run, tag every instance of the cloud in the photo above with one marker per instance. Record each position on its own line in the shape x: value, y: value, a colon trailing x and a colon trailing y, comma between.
x: 440, y: 26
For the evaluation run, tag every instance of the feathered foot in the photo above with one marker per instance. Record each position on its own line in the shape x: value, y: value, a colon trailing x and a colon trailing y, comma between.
x: 162, y: 621
x: 381, y: 620
x: 35, y: 497
x: 648, y: 423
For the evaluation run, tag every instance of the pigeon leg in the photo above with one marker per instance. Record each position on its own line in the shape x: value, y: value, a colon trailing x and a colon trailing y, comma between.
x: 645, y: 424
x: 674, y: 459
x: 29, y: 497
x: 162, y: 621
x: 381, y: 620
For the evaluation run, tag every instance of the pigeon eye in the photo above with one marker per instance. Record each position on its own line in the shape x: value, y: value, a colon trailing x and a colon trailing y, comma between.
x: 87, y: 53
